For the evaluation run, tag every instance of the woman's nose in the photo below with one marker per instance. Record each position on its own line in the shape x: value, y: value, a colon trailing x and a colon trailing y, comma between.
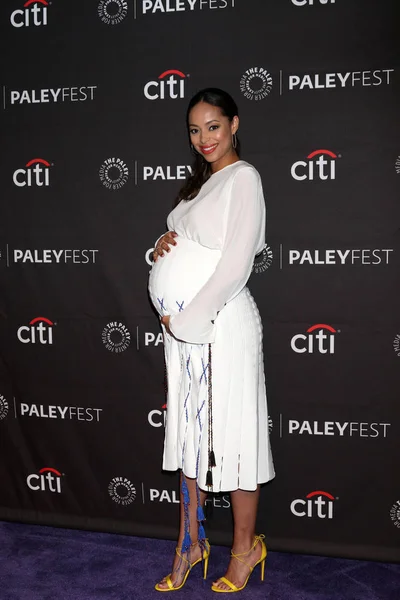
x: 203, y: 137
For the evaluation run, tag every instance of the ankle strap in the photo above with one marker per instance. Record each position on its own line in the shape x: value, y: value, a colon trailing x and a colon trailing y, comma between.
x: 257, y: 538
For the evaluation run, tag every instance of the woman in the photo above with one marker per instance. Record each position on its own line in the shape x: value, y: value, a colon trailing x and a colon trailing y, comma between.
x: 217, y: 422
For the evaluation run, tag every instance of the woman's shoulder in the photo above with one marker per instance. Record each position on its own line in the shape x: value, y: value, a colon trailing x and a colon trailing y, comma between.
x: 242, y: 165
x: 245, y: 168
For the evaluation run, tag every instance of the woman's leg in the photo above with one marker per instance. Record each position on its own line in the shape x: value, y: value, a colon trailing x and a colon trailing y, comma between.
x: 180, y: 566
x: 244, y: 507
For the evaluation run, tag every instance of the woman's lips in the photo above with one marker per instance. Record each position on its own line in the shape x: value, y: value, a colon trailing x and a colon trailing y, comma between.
x: 208, y: 149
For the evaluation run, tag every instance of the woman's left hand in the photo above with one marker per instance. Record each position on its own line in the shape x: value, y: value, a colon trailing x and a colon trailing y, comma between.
x: 165, y: 322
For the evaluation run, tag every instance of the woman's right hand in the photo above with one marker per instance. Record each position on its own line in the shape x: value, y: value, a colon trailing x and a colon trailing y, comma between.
x: 163, y: 244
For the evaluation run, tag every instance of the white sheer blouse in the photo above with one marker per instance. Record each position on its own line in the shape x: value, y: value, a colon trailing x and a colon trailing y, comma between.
x: 228, y: 215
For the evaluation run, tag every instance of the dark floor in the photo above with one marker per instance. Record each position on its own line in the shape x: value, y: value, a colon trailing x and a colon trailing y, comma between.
x: 45, y: 563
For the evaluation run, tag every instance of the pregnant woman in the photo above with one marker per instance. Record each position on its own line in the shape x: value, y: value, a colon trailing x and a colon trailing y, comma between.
x: 217, y: 421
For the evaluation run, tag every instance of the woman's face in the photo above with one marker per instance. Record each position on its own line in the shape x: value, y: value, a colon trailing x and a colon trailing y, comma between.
x: 211, y: 134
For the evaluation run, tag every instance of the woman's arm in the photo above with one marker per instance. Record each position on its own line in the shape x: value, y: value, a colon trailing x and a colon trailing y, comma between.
x: 245, y: 233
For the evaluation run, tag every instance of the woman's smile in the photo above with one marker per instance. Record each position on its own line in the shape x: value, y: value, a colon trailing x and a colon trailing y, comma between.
x: 208, y: 149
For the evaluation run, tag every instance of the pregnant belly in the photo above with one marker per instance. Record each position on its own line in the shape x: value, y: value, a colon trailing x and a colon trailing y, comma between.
x: 177, y: 276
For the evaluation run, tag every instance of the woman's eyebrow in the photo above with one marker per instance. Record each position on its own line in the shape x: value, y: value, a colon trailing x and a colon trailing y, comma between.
x: 208, y: 122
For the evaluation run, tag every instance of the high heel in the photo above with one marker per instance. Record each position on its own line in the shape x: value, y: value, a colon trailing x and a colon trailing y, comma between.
x: 204, y: 558
x: 232, y: 586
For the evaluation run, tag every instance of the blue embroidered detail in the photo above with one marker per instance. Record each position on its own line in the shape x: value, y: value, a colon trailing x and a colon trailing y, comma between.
x: 198, y: 415
x: 187, y: 367
x: 162, y: 307
x: 204, y: 374
x: 180, y: 305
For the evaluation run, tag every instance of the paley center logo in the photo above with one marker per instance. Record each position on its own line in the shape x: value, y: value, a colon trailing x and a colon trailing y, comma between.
x: 116, y: 337
x: 47, y: 480
x: 3, y: 407
x: 48, y: 95
x: 328, y: 81
x: 320, y: 164
x: 113, y: 173
x: 396, y: 344
x: 176, y: 6
x: 122, y: 491
x: 353, y: 256
x: 316, y: 504
x: 39, y: 331
x: 395, y: 514
x: 35, y: 173
x: 170, y: 84
x: 256, y: 83
x: 33, y: 12
x: 112, y: 12
x: 263, y: 260
x: 320, y: 338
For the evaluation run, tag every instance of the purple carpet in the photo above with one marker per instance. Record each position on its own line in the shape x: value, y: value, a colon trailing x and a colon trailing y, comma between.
x: 45, y: 563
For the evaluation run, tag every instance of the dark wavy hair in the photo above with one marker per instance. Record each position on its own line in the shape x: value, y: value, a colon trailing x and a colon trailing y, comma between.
x: 201, y: 169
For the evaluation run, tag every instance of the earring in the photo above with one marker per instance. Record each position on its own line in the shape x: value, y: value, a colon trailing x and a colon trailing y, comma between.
x: 234, y: 140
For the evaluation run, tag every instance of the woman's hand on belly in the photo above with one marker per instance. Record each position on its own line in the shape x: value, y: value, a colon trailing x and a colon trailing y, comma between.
x: 164, y: 244
x: 165, y: 322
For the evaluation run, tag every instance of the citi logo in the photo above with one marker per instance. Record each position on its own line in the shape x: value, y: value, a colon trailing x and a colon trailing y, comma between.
x: 318, y: 166
x: 36, y: 172
x: 48, y: 480
x: 320, y: 338
x: 317, y: 504
x: 34, y: 13
x: 170, y: 84
x: 40, y: 331
x: 311, y: 2
x: 158, y: 418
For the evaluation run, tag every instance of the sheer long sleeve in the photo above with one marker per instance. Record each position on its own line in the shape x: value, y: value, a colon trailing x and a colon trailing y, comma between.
x: 244, y: 238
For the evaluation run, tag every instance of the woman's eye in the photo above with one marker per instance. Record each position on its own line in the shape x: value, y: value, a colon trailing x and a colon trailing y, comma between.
x: 212, y: 127
x: 193, y: 131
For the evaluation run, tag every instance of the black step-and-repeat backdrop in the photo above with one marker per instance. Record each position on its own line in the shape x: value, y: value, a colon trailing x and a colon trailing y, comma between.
x: 94, y: 150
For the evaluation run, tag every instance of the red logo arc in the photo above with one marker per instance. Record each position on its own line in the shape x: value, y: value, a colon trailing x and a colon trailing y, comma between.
x: 35, y: 2
x: 41, y: 319
x: 328, y: 152
x: 37, y: 160
x: 320, y: 493
x: 50, y: 469
x: 171, y: 72
x: 321, y: 326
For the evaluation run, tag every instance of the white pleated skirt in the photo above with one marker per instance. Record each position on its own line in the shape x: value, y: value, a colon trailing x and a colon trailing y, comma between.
x: 240, y: 425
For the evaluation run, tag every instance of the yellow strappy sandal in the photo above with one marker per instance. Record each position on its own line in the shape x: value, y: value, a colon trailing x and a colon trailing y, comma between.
x: 232, y: 586
x: 171, y: 588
